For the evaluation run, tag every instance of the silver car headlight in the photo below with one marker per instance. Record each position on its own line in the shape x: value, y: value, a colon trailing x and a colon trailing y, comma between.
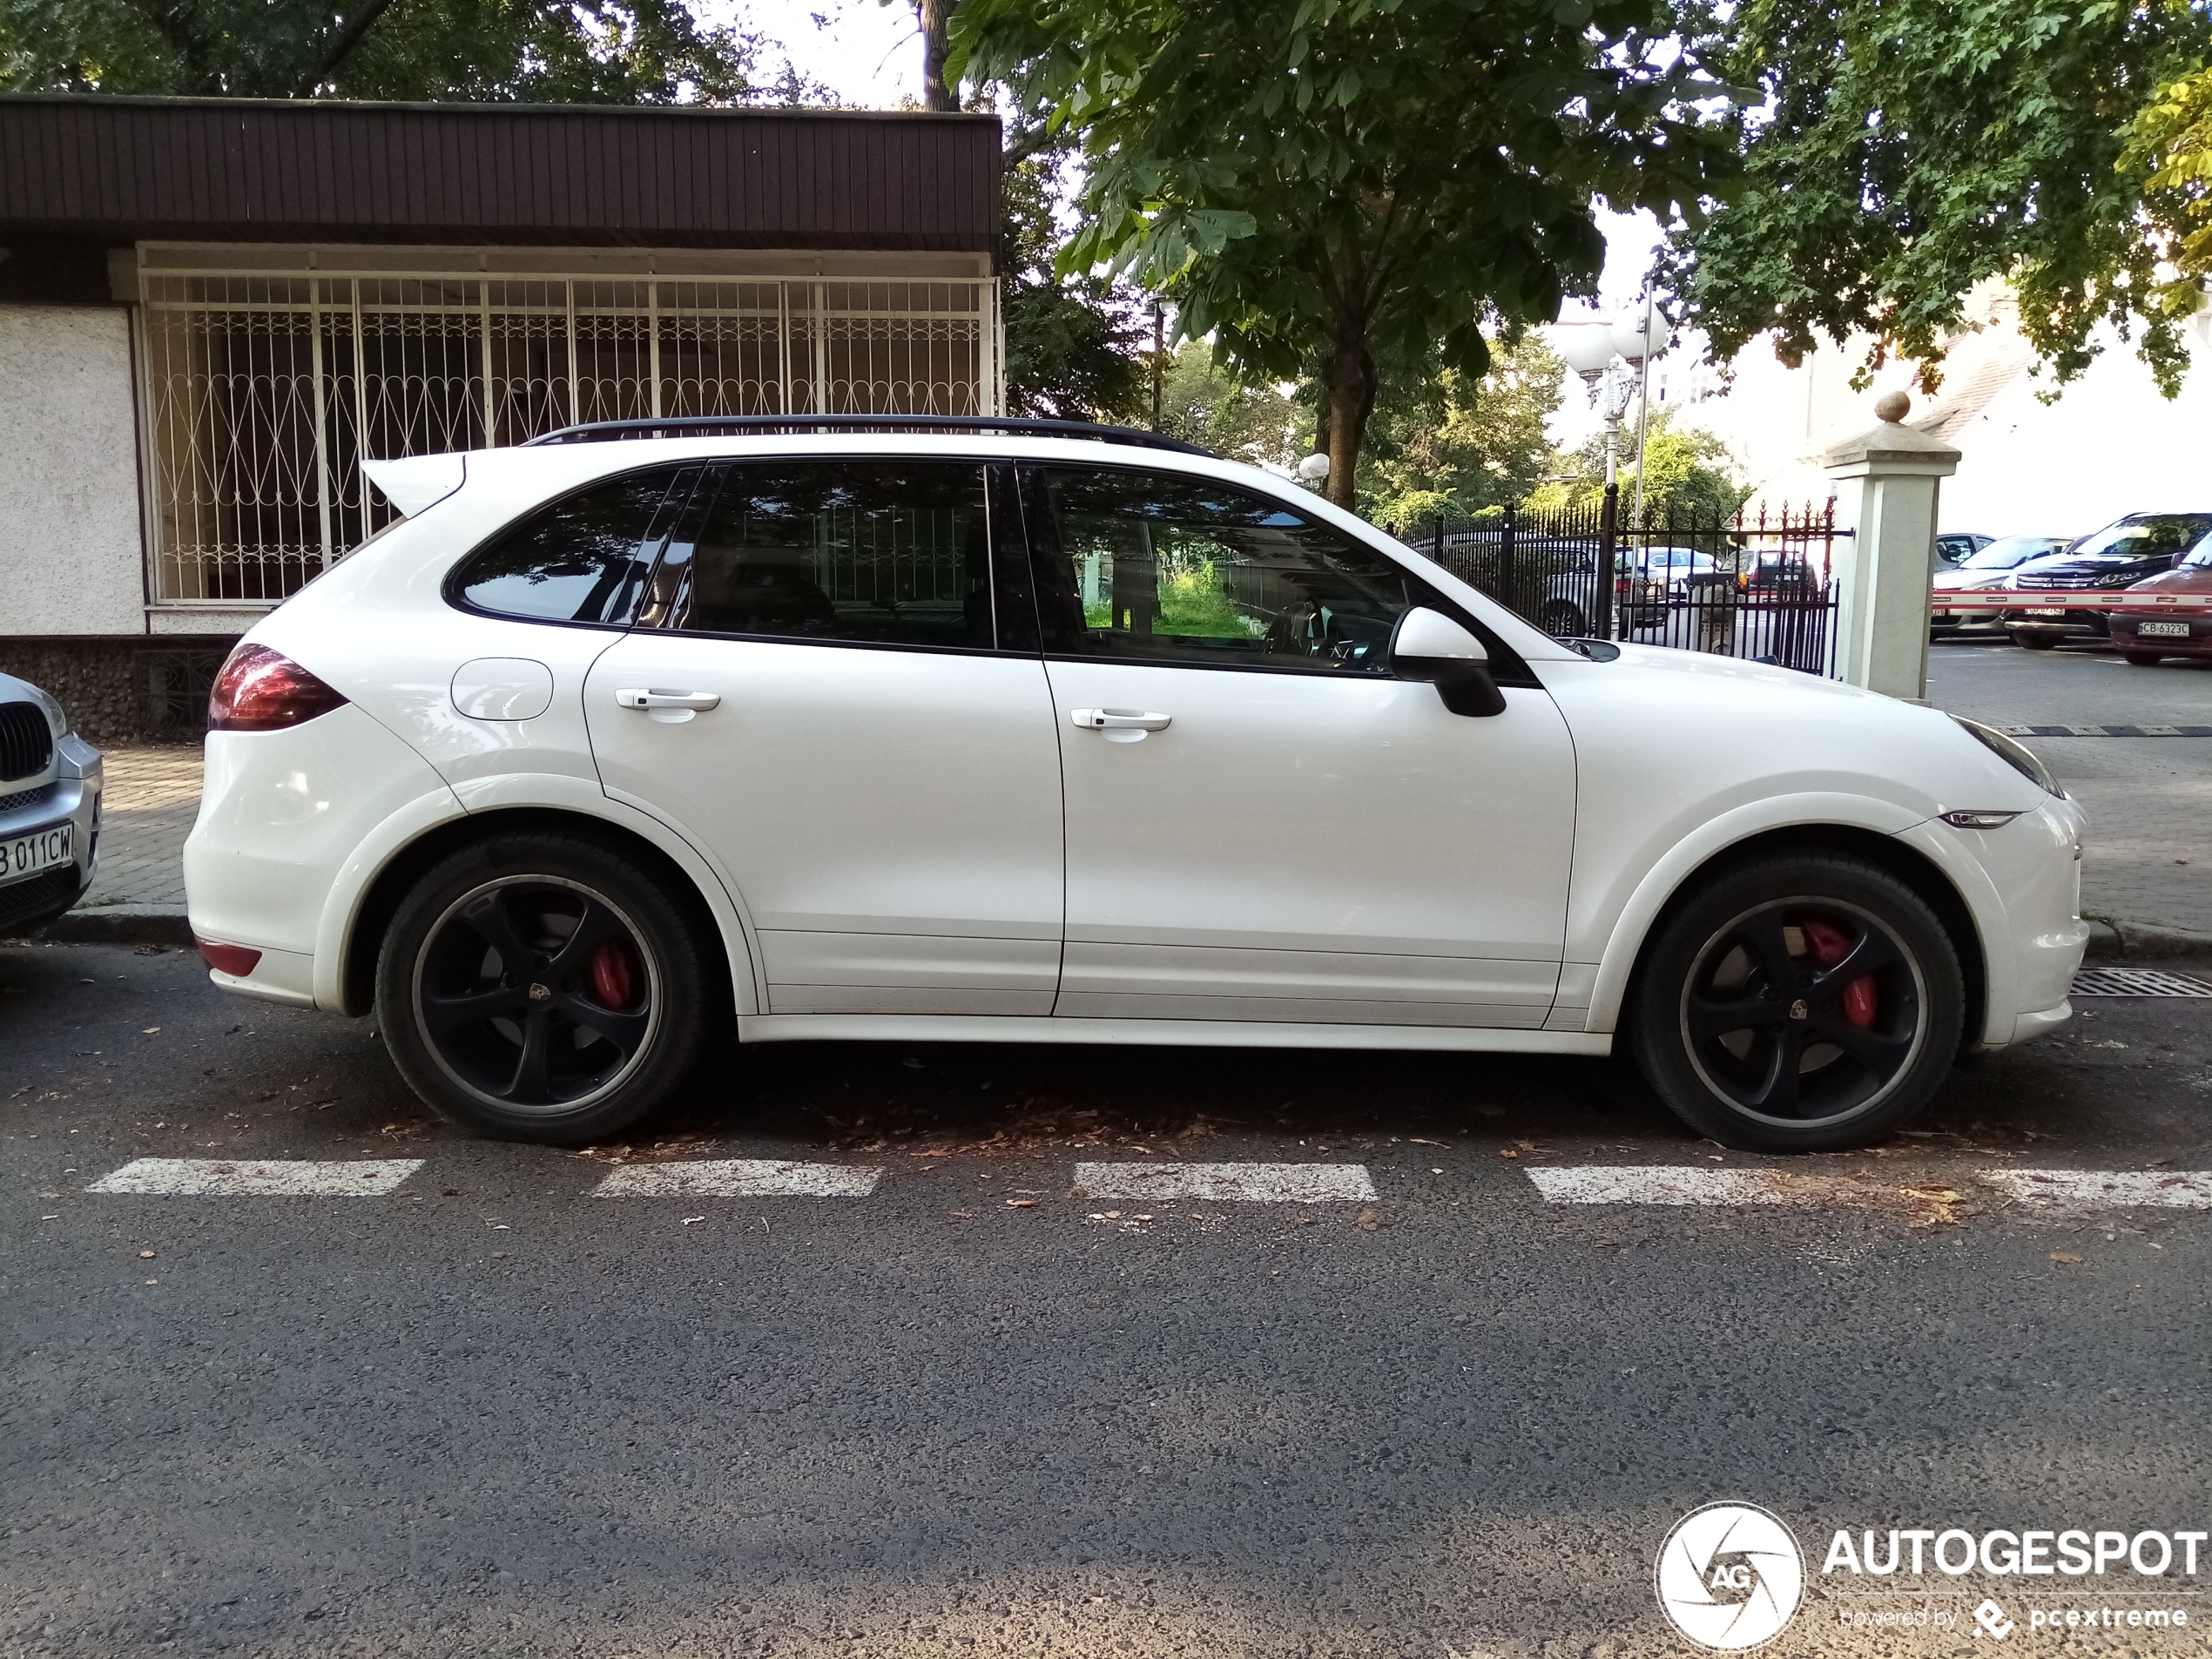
x: 2014, y: 753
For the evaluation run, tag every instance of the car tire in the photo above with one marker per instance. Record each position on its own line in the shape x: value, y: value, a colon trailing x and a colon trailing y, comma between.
x: 2036, y: 641
x: 539, y: 986
x: 2141, y: 658
x: 1819, y: 1058
x: 1562, y: 620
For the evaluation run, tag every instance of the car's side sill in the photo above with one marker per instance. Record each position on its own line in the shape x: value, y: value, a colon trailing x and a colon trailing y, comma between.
x: 1206, y: 1034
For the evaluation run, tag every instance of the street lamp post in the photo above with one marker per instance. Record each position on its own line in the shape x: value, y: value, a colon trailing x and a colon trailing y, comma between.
x: 1591, y: 351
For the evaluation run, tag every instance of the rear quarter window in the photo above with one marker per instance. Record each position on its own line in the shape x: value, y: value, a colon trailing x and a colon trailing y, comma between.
x: 584, y: 558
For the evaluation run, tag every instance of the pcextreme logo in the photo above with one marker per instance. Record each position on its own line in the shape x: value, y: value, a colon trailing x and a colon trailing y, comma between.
x: 1730, y: 1576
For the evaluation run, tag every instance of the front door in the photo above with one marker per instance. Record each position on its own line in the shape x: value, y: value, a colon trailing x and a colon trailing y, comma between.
x: 821, y: 693
x: 1263, y: 822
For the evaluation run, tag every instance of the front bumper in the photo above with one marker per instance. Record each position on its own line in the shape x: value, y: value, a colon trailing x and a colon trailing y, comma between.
x: 72, y: 796
x: 2068, y: 624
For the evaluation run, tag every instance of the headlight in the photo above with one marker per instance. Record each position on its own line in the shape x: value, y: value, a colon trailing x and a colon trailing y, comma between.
x: 2015, y: 754
x: 55, y: 716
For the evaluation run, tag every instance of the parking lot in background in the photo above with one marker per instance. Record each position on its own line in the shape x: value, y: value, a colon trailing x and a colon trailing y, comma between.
x: 900, y: 1352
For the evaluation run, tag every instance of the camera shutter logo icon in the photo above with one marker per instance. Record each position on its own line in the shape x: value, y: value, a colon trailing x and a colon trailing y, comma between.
x: 1730, y: 1576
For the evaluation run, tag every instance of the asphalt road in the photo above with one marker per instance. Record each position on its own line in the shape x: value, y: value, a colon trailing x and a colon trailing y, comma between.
x: 490, y: 1414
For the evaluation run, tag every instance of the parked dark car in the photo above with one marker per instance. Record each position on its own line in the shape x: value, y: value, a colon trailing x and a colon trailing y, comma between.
x: 2119, y: 555
x: 2147, y: 640
x: 1782, y: 574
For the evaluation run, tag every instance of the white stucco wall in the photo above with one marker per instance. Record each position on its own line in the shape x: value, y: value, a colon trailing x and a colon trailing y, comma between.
x: 71, y: 560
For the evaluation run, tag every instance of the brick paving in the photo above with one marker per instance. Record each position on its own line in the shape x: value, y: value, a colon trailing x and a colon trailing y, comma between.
x: 2149, y: 799
x: 152, y: 795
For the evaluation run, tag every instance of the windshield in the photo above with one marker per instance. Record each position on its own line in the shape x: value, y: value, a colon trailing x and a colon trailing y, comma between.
x: 2006, y: 552
x: 1677, y: 559
x: 2145, y: 537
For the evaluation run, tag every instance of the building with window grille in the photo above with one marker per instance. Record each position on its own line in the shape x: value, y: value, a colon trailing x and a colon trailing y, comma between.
x: 212, y: 311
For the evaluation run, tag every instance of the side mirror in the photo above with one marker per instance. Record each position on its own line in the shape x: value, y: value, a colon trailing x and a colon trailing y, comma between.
x: 1430, y: 646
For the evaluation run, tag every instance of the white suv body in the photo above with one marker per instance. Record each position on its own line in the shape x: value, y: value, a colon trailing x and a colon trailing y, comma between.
x: 846, y: 717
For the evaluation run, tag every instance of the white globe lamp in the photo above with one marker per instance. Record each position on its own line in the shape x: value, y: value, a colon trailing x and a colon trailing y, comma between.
x: 1588, y: 347
x: 1640, y: 336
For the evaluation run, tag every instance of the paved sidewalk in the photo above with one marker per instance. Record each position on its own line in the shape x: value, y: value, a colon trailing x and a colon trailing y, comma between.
x: 152, y: 795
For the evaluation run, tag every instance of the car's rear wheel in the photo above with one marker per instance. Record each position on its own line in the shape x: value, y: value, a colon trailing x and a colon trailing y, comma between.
x: 1805, y: 1003
x: 2141, y: 658
x: 1562, y: 619
x: 2036, y: 641
x: 538, y: 987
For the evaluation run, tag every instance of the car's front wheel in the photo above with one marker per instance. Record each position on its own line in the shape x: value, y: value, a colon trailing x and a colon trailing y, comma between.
x: 2141, y: 658
x: 1805, y: 1003
x: 539, y: 986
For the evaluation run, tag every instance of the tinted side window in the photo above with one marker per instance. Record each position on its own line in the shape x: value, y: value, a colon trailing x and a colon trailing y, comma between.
x: 1167, y: 567
x: 877, y: 552
x: 582, y: 559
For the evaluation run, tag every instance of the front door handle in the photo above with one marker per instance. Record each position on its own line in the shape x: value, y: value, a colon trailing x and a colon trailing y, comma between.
x: 1117, y: 720
x: 701, y: 700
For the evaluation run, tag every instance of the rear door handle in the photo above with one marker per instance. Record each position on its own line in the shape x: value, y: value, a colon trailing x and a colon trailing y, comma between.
x: 667, y: 699
x: 1117, y: 720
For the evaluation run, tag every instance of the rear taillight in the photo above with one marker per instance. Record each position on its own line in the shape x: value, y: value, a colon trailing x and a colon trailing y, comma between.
x: 235, y: 959
x: 264, y: 691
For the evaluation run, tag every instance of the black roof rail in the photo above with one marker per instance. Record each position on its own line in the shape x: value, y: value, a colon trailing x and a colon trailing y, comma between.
x: 693, y: 426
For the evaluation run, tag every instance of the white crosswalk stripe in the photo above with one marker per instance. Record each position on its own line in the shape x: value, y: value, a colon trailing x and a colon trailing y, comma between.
x: 1661, y: 1185
x: 1230, y: 1183
x: 740, y: 1178
x: 272, y: 1177
x: 2032, y: 1189
x: 2073, y: 1188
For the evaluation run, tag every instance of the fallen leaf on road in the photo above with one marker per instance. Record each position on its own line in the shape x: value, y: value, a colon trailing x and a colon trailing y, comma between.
x: 145, y: 1255
x: 1507, y: 1152
x: 1021, y: 1203
x: 1368, y: 1220
x: 2071, y: 1261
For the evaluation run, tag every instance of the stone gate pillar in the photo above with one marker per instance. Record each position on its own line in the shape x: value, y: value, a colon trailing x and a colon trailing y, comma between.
x: 1883, y: 574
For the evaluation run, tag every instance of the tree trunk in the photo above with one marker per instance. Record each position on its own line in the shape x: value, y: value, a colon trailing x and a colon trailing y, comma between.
x: 1351, y: 401
x: 936, y: 17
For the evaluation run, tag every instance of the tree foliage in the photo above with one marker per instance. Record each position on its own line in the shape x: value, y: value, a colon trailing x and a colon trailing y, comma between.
x: 1691, y: 476
x: 1341, y: 181
x: 2170, y: 148
x: 1203, y: 403
x: 1072, y: 342
x: 1443, y: 444
x: 1910, y: 149
x: 620, y: 51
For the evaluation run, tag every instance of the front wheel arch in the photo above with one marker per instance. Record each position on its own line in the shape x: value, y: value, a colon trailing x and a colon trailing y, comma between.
x: 393, y: 883
x: 1906, y: 863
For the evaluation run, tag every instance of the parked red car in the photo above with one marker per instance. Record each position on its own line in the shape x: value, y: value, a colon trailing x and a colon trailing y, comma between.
x: 2145, y: 640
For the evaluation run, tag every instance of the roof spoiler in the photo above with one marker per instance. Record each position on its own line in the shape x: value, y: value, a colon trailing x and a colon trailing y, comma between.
x: 412, y: 482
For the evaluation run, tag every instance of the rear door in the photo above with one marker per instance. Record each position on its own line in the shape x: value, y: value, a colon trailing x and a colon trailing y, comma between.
x: 831, y: 691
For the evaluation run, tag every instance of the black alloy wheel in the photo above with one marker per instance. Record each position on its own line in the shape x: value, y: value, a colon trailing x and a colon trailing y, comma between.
x: 1807, y: 1003
x: 540, y: 987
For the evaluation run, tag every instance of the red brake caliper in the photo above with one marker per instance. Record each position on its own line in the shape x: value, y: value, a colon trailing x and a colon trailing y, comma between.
x: 612, y: 979
x: 1828, y: 945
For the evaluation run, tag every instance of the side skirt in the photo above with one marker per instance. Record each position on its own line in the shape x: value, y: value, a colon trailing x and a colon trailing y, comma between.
x: 1185, y: 1034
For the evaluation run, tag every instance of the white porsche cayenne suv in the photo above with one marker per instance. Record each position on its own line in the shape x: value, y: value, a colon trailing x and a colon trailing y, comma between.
x: 1008, y: 731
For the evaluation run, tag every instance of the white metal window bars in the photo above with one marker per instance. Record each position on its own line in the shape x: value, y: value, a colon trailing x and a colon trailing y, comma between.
x: 264, y: 392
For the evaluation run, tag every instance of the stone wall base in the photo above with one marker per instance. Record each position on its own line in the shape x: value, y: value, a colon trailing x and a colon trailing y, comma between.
x: 130, y: 690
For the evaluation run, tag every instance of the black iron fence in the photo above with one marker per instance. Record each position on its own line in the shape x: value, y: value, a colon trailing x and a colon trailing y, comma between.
x: 1758, y: 587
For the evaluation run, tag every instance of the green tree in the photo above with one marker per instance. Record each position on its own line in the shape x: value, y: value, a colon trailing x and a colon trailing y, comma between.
x: 1443, y: 445
x: 621, y: 52
x: 1689, y: 476
x: 1910, y: 149
x: 2169, y: 147
x: 1072, y: 342
x: 1203, y: 403
x: 1340, y: 181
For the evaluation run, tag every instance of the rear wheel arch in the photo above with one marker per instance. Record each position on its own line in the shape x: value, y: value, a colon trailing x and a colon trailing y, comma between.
x: 1907, y: 864
x: 382, y: 902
